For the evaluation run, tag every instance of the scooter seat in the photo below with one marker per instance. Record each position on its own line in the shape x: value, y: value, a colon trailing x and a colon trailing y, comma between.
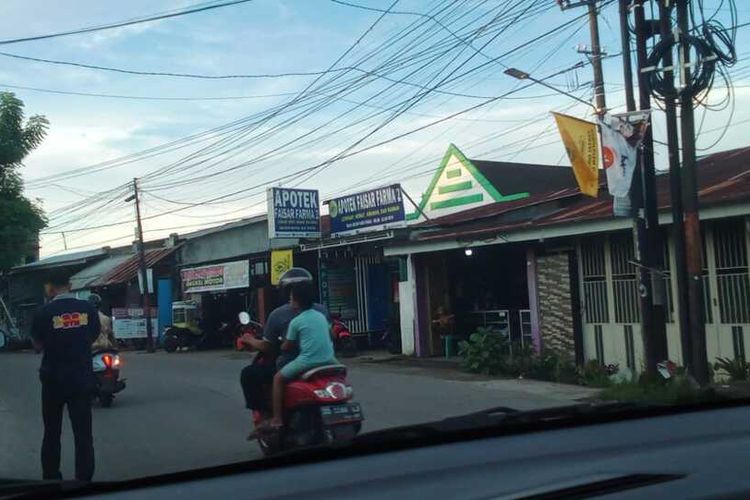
x: 325, y: 369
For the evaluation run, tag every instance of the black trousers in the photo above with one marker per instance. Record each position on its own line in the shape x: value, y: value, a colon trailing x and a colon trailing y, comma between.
x: 79, y: 411
x: 255, y: 380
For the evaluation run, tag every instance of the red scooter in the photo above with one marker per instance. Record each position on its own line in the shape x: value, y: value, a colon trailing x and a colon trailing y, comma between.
x: 317, y: 409
x: 342, y: 338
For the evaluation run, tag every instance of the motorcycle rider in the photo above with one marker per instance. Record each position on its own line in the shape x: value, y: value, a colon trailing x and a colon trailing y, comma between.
x: 106, y: 338
x: 257, y: 377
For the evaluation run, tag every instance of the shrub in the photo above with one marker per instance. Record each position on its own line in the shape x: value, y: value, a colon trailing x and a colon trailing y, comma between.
x: 738, y: 370
x: 488, y: 353
x: 677, y: 390
x: 484, y: 352
x: 595, y: 374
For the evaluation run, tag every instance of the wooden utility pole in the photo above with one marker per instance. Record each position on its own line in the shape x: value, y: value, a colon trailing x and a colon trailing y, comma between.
x: 596, y: 59
x: 596, y: 51
x: 693, y: 240
x: 675, y: 187
x: 145, y: 297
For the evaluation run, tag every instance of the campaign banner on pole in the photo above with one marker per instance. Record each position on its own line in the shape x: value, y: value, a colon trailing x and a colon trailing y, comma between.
x: 217, y: 277
x: 372, y: 210
x: 621, y: 136
x: 581, y: 145
x: 293, y: 213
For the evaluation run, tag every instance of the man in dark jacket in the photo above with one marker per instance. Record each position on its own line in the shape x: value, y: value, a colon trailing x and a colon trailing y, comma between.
x: 63, y: 330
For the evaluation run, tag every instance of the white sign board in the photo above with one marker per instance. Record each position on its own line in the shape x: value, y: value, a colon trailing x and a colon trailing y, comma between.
x: 133, y: 328
x: 129, y: 323
x: 217, y: 277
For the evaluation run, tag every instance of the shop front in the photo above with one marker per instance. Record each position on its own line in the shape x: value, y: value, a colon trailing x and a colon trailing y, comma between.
x: 220, y: 291
x: 356, y: 281
x: 465, y: 290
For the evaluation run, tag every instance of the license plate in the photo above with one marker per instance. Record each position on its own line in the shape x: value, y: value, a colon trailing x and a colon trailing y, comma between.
x: 341, y: 414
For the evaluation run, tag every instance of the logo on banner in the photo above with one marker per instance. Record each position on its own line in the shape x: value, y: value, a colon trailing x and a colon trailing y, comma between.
x: 281, y: 262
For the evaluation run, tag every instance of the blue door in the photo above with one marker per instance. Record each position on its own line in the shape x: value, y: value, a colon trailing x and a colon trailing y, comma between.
x: 377, y: 296
x: 164, y: 298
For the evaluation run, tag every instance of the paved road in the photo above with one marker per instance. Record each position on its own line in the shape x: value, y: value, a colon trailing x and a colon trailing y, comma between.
x: 185, y: 410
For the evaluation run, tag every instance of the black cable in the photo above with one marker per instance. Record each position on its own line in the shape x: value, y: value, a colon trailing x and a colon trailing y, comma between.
x: 121, y: 24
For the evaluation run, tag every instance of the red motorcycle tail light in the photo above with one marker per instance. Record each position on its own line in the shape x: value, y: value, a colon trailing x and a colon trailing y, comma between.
x: 107, y: 359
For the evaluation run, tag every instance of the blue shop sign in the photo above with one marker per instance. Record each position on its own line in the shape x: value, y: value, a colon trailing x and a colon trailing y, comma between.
x: 373, y: 210
x: 293, y: 213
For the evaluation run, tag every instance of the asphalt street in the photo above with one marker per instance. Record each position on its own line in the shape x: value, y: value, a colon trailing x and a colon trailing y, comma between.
x: 185, y: 410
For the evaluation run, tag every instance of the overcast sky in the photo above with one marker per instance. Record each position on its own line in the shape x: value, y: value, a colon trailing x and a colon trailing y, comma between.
x: 271, y: 36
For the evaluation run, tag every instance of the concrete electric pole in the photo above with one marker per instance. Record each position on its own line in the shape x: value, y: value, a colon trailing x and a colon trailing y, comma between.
x: 145, y: 297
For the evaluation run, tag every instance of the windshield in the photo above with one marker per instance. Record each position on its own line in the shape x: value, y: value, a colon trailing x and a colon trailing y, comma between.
x: 477, y: 196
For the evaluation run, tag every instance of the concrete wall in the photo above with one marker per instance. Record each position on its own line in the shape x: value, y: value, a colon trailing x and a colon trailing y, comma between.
x: 555, y: 303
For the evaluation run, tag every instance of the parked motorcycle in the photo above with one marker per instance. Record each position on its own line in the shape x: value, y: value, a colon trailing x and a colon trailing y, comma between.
x: 343, y: 341
x: 107, y: 370
x: 317, y: 409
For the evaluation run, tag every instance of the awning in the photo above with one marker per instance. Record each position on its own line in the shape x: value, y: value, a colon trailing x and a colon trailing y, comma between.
x: 128, y: 270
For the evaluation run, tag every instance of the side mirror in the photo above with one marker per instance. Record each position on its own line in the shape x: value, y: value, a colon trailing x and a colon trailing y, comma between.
x: 244, y: 318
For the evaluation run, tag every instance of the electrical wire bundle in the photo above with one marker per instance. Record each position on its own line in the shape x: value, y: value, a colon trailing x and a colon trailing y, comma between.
x: 415, y: 66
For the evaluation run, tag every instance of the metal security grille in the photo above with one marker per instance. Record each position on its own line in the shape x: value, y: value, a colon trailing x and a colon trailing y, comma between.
x: 527, y: 339
x: 624, y: 279
x: 629, y: 347
x: 599, y: 343
x: 732, y: 278
x: 738, y: 341
x: 594, y: 282
x: 361, y: 263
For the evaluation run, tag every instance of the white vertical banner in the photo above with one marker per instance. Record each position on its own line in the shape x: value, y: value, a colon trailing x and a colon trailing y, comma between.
x: 621, y: 136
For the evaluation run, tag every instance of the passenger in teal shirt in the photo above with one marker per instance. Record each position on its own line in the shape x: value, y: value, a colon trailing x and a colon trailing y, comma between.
x: 309, y: 332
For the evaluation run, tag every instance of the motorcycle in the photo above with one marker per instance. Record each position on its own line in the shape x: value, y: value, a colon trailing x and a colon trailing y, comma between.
x: 343, y: 341
x: 317, y: 409
x: 107, y: 370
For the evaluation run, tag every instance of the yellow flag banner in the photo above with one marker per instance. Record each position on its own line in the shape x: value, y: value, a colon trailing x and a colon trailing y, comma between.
x: 581, y: 143
x: 281, y: 262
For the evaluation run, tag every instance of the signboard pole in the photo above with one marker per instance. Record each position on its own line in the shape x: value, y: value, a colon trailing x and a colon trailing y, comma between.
x: 419, y: 209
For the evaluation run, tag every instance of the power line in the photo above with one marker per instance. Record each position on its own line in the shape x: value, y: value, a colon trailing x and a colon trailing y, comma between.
x: 122, y: 24
x: 145, y: 98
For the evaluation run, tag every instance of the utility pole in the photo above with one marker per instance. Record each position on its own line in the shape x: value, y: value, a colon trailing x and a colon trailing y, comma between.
x: 145, y: 298
x: 595, y: 53
x: 627, y: 67
x: 693, y: 240
x: 675, y: 187
x: 649, y: 243
x: 596, y: 59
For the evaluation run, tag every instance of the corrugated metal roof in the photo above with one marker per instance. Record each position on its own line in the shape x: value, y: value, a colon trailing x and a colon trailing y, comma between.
x: 230, y: 225
x: 83, y: 278
x: 723, y: 178
x: 63, y: 259
x: 128, y: 269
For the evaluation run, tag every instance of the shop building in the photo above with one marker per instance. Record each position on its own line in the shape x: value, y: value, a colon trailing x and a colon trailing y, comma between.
x: 24, y: 285
x: 226, y: 269
x: 566, y: 265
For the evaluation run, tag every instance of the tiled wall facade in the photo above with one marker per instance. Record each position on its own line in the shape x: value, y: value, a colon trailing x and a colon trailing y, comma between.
x: 555, y: 304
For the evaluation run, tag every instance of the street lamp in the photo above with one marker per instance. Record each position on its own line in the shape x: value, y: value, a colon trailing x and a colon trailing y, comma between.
x: 522, y: 75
